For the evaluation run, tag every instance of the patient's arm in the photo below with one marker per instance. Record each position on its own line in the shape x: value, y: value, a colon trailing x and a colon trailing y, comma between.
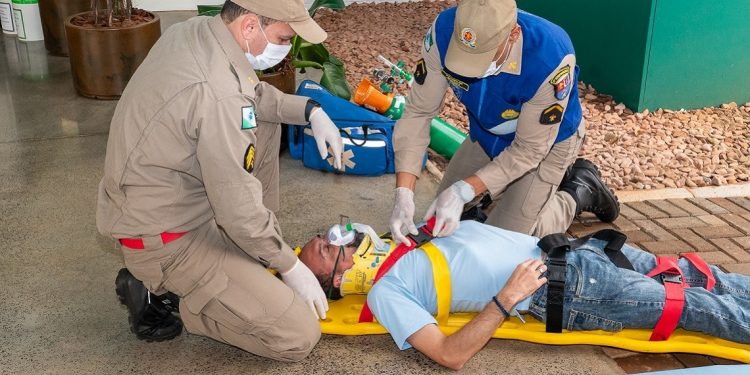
x: 455, y: 350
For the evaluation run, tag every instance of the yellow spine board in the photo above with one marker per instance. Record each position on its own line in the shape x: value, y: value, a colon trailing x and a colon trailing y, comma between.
x: 343, y: 319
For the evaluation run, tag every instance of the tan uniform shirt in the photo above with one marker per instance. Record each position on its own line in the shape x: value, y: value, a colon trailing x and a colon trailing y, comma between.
x: 532, y: 142
x: 178, y: 155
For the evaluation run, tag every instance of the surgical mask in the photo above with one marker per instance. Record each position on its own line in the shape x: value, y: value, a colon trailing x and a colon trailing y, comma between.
x: 494, y: 68
x: 271, y: 56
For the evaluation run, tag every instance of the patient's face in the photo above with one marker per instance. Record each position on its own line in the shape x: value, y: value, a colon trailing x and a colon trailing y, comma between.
x: 320, y: 256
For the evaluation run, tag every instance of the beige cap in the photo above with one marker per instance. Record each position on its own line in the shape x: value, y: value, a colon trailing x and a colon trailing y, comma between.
x: 292, y: 12
x: 480, y: 27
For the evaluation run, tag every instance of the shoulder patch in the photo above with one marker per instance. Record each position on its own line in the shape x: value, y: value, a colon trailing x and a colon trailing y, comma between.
x: 248, y: 161
x: 248, y: 118
x: 552, y: 115
x: 420, y: 72
x: 428, y: 40
x: 562, y: 82
x: 455, y: 82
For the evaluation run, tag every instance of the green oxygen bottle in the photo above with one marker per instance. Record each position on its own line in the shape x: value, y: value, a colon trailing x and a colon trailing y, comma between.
x: 445, y: 138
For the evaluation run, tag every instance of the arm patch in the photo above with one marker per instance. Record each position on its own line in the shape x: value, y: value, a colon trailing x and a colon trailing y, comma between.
x: 552, y: 115
x: 420, y: 72
x: 248, y: 161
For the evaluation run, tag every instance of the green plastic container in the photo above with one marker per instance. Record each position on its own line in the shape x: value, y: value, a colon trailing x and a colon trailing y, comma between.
x: 653, y: 54
x: 445, y: 138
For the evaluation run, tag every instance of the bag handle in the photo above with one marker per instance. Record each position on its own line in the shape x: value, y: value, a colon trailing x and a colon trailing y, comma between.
x: 365, y: 128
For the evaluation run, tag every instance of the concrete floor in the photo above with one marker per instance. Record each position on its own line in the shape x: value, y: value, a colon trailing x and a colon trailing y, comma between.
x: 58, y: 309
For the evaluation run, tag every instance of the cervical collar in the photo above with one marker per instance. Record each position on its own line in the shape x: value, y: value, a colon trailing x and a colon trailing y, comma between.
x: 367, y: 260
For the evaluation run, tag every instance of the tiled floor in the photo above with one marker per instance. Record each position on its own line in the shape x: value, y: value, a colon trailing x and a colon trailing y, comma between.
x: 717, y: 228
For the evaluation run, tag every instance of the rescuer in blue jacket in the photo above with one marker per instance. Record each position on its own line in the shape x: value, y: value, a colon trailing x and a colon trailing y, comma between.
x: 516, y: 75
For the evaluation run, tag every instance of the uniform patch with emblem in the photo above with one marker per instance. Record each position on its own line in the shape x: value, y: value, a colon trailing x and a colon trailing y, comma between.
x: 562, y: 82
x: 420, y: 72
x: 248, y: 118
x: 552, y: 115
x: 469, y: 37
x: 509, y: 114
x: 455, y: 82
x: 428, y: 40
x: 248, y: 162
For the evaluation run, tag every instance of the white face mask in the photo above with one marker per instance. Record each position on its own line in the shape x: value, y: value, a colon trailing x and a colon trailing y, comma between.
x: 494, y: 68
x: 271, y: 55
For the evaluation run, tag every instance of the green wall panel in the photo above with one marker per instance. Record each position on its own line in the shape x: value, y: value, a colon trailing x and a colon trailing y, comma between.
x: 610, y: 38
x: 658, y: 53
x: 700, y: 54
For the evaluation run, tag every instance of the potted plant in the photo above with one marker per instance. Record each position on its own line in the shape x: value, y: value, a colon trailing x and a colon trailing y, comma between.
x: 53, y: 14
x: 107, y: 45
x: 303, y: 55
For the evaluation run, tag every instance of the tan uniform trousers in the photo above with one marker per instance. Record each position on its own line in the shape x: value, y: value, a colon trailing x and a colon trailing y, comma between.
x: 531, y: 204
x: 226, y: 294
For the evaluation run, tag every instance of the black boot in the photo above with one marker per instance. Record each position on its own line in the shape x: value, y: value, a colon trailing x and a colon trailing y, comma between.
x: 583, y: 182
x: 149, y: 318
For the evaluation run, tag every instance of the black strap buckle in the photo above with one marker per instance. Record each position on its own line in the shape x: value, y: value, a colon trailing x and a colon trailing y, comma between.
x: 665, y: 277
x: 421, y: 237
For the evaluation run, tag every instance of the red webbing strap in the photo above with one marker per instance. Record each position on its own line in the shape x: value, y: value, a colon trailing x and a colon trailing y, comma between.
x: 674, y: 301
x: 365, y: 316
x: 701, y: 266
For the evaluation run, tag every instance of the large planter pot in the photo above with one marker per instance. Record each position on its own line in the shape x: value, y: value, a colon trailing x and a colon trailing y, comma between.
x: 54, y: 13
x: 283, y: 80
x: 102, y: 60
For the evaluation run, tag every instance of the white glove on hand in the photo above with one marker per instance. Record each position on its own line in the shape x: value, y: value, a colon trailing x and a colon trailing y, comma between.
x: 306, y: 286
x: 403, y: 215
x: 325, y: 131
x: 449, y: 205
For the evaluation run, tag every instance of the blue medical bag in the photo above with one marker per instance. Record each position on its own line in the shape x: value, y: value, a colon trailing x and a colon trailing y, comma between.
x: 367, y: 136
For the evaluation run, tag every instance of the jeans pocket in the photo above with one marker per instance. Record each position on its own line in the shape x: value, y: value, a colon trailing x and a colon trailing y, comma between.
x: 581, y: 321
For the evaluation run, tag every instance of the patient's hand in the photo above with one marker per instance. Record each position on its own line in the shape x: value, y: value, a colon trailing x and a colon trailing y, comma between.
x: 524, y: 281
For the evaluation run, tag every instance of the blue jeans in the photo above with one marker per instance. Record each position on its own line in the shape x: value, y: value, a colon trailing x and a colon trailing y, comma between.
x: 599, y: 295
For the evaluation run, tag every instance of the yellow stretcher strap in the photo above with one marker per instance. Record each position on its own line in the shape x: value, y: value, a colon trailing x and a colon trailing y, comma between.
x: 442, y: 277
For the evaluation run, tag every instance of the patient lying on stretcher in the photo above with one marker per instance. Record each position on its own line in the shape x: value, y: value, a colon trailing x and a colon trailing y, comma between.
x: 487, y: 262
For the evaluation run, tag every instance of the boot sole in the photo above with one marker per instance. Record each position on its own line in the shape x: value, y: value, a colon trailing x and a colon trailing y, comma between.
x: 120, y: 289
x: 586, y: 164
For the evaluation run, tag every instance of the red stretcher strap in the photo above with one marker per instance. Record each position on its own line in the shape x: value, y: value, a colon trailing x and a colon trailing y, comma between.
x: 365, y: 316
x: 674, y: 300
x: 701, y: 266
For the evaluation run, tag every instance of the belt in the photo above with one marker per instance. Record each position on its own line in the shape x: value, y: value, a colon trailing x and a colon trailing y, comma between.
x: 137, y: 243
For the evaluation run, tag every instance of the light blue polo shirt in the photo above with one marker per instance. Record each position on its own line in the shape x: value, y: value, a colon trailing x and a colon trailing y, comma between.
x: 481, y: 259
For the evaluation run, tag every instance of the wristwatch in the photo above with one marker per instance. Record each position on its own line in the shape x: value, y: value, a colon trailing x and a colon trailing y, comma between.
x: 311, y: 104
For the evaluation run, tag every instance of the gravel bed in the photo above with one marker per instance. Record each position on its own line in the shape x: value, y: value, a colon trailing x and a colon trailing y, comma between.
x: 648, y: 150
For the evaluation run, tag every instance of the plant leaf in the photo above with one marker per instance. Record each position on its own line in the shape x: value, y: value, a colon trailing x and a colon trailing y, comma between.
x: 334, y: 79
x: 330, y: 4
x: 306, y: 64
x: 313, y: 52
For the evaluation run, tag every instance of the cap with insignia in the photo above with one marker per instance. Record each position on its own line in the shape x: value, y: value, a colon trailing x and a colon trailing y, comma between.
x: 292, y: 12
x: 480, y: 27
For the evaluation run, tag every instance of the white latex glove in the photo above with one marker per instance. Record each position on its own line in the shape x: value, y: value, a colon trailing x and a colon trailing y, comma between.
x: 305, y: 285
x: 448, y: 207
x: 325, y: 131
x: 403, y: 215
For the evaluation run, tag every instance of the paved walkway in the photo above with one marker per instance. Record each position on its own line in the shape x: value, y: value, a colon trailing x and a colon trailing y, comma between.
x: 717, y: 228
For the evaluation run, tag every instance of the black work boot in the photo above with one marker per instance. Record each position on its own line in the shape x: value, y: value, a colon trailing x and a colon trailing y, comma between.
x: 584, y: 183
x: 150, y: 319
